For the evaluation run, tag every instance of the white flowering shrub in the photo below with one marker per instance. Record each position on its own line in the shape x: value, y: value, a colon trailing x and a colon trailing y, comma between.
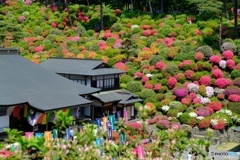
x: 192, y: 87
x: 209, y: 91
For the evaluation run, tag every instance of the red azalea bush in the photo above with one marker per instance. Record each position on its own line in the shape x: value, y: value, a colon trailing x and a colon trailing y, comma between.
x: 189, y: 74
x: 230, y: 64
x: 234, y: 98
x: 157, y: 118
x: 220, y: 125
x: 147, y: 33
x: 221, y: 96
x: 121, y: 66
x: 222, y: 82
x: 203, y: 111
x: 228, y: 54
x: 148, y: 86
x: 215, y: 59
x: 134, y: 125
x: 145, y: 79
x: 160, y: 65
x: 172, y: 81
x: 157, y: 87
x: 186, y: 101
x: 215, y: 106
x: 180, y: 92
x: 39, y: 49
x: 199, y: 56
x: 217, y: 73
x: 175, y: 125
x: 163, y: 124
x: 168, y: 41
x: 204, y: 123
x: 192, y: 95
x: 185, y: 64
x: 138, y: 75
x: 205, y: 80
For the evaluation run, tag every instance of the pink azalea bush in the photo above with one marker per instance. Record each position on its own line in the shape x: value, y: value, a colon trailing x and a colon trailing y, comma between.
x: 180, y: 92
x: 234, y: 98
x: 138, y: 75
x: 172, y: 81
x: 205, y: 80
x: 189, y: 74
x: 145, y: 79
x: 39, y: 49
x: 215, y: 59
x: 160, y: 65
x: 157, y: 87
x: 199, y: 56
x: 215, y: 106
x: 203, y: 111
x: 228, y: 54
x: 222, y: 82
x: 217, y: 73
x: 148, y: 86
x: 230, y: 64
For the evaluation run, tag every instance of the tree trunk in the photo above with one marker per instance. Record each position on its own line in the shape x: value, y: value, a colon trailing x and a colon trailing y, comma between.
x: 101, y: 14
x: 131, y: 5
x: 236, y: 16
x: 220, y: 32
x: 150, y: 7
x: 225, y: 9
x: 69, y: 15
x: 161, y: 6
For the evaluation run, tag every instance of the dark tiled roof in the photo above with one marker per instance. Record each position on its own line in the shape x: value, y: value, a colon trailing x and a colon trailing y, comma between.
x: 88, y: 67
x: 22, y: 81
x: 123, y: 96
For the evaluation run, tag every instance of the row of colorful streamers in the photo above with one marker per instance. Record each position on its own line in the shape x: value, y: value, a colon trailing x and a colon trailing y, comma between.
x: 111, y: 119
x: 102, y: 122
x: 71, y: 111
x: 4, y: 111
x: 47, y: 135
x: 140, y: 152
x: 125, y: 116
x: 16, y: 111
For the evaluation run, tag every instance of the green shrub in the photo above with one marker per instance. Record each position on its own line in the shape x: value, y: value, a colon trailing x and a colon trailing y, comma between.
x: 208, y: 31
x: 112, y: 61
x: 136, y: 30
x: 206, y: 50
x: 175, y: 104
x: 163, y: 89
x: 47, y: 44
x: 234, y: 107
x: 214, y: 24
x: 146, y: 93
x: 37, y: 30
x: 197, y: 76
x: 55, y: 31
x: 172, y: 69
x: 111, y: 41
x: 90, y: 32
x: 134, y: 86
x: 125, y: 78
x: 235, y: 74
x: 172, y: 113
x: 150, y: 99
x: 111, y: 52
x: 184, y: 118
x: 164, y: 52
x: 116, y: 27
x: 154, y: 59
